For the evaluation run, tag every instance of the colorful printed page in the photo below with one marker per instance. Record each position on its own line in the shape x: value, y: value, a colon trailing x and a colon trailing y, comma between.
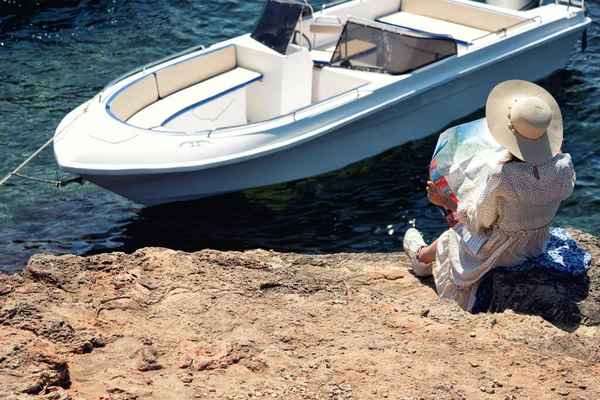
x: 462, y: 159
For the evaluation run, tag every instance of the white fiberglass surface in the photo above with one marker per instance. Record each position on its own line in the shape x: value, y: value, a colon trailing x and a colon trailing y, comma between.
x: 323, y: 85
x: 433, y: 25
x: 158, y: 113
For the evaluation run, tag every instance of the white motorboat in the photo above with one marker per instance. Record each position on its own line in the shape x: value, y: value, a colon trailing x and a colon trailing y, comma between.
x: 306, y: 93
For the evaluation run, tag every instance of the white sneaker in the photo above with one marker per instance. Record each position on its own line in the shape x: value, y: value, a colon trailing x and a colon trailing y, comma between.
x: 413, y: 242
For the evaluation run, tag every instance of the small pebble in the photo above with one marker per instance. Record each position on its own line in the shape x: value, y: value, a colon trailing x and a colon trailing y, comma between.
x: 185, y: 362
x: 472, y: 334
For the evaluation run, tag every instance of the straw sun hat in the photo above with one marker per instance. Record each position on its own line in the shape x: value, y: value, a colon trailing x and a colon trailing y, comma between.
x: 526, y: 120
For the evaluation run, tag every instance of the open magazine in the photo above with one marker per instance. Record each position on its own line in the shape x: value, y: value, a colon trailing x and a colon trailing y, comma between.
x: 461, y: 162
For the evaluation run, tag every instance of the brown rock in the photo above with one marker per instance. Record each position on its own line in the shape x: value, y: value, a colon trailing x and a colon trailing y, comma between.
x: 148, y: 359
x: 293, y: 325
x: 203, y: 364
x: 186, y: 377
x: 186, y: 362
x: 82, y: 347
x: 57, y: 394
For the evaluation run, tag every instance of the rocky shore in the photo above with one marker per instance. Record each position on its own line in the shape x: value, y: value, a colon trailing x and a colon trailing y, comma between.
x: 163, y: 324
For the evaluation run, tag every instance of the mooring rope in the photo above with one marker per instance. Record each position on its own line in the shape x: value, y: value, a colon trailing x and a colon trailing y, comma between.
x: 31, y: 157
x: 38, y: 151
x: 57, y: 183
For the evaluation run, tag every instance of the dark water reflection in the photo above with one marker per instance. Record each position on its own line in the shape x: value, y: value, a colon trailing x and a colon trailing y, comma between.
x: 361, y: 208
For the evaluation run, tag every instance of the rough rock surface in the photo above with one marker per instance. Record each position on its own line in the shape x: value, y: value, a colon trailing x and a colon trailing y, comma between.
x: 566, y: 303
x: 163, y: 324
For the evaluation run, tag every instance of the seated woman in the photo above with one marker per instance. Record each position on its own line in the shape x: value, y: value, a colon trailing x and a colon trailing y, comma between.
x: 518, y: 204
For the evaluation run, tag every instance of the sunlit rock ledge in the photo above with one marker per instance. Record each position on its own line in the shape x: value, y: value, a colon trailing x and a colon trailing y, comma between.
x: 164, y: 324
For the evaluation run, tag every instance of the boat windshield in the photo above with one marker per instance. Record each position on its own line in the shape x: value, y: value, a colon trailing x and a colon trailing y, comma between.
x: 381, y: 48
x: 276, y: 24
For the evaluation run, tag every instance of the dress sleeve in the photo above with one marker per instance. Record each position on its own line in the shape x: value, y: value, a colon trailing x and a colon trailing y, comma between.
x: 569, y: 182
x: 480, y: 215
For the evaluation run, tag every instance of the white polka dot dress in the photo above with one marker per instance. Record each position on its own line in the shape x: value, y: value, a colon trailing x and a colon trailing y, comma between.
x: 518, y: 210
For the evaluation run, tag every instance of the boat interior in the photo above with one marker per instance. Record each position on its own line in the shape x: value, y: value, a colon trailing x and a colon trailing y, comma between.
x: 296, y: 59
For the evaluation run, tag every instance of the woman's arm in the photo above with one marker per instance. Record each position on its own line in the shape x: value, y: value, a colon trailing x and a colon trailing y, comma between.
x: 479, y: 215
x: 439, y: 198
x: 569, y: 181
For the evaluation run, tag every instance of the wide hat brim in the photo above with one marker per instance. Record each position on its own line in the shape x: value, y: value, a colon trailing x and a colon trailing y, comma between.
x: 536, y: 151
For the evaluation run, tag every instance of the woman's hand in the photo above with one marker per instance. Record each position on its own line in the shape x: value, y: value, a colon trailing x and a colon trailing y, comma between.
x: 439, y: 198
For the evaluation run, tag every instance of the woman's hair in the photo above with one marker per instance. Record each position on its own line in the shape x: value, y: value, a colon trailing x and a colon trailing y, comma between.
x: 511, y: 158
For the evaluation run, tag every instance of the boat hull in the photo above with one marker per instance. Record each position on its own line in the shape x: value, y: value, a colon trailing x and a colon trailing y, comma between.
x: 414, y: 118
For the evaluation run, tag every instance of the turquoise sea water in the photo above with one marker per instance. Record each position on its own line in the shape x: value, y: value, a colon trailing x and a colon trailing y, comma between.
x: 53, y: 59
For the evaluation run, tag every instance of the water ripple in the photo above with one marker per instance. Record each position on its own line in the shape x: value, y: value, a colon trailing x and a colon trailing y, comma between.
x: 56, y: 57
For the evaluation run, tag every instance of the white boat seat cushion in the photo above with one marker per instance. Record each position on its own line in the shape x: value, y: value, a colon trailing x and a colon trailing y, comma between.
x: 162, y: 111
x: 463, y: 14
x: 327, y: 27
x: 198, y: 69
x: 137, y: 96
x: 422, y: 23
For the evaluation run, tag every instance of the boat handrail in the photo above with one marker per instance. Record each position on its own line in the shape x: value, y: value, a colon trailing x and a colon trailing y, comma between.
x: 150, y: 65
x: 504, y: 31
x: 569, y: 3
x: 335, y: 3
x: 292, y: 114
x: 312, y: 12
